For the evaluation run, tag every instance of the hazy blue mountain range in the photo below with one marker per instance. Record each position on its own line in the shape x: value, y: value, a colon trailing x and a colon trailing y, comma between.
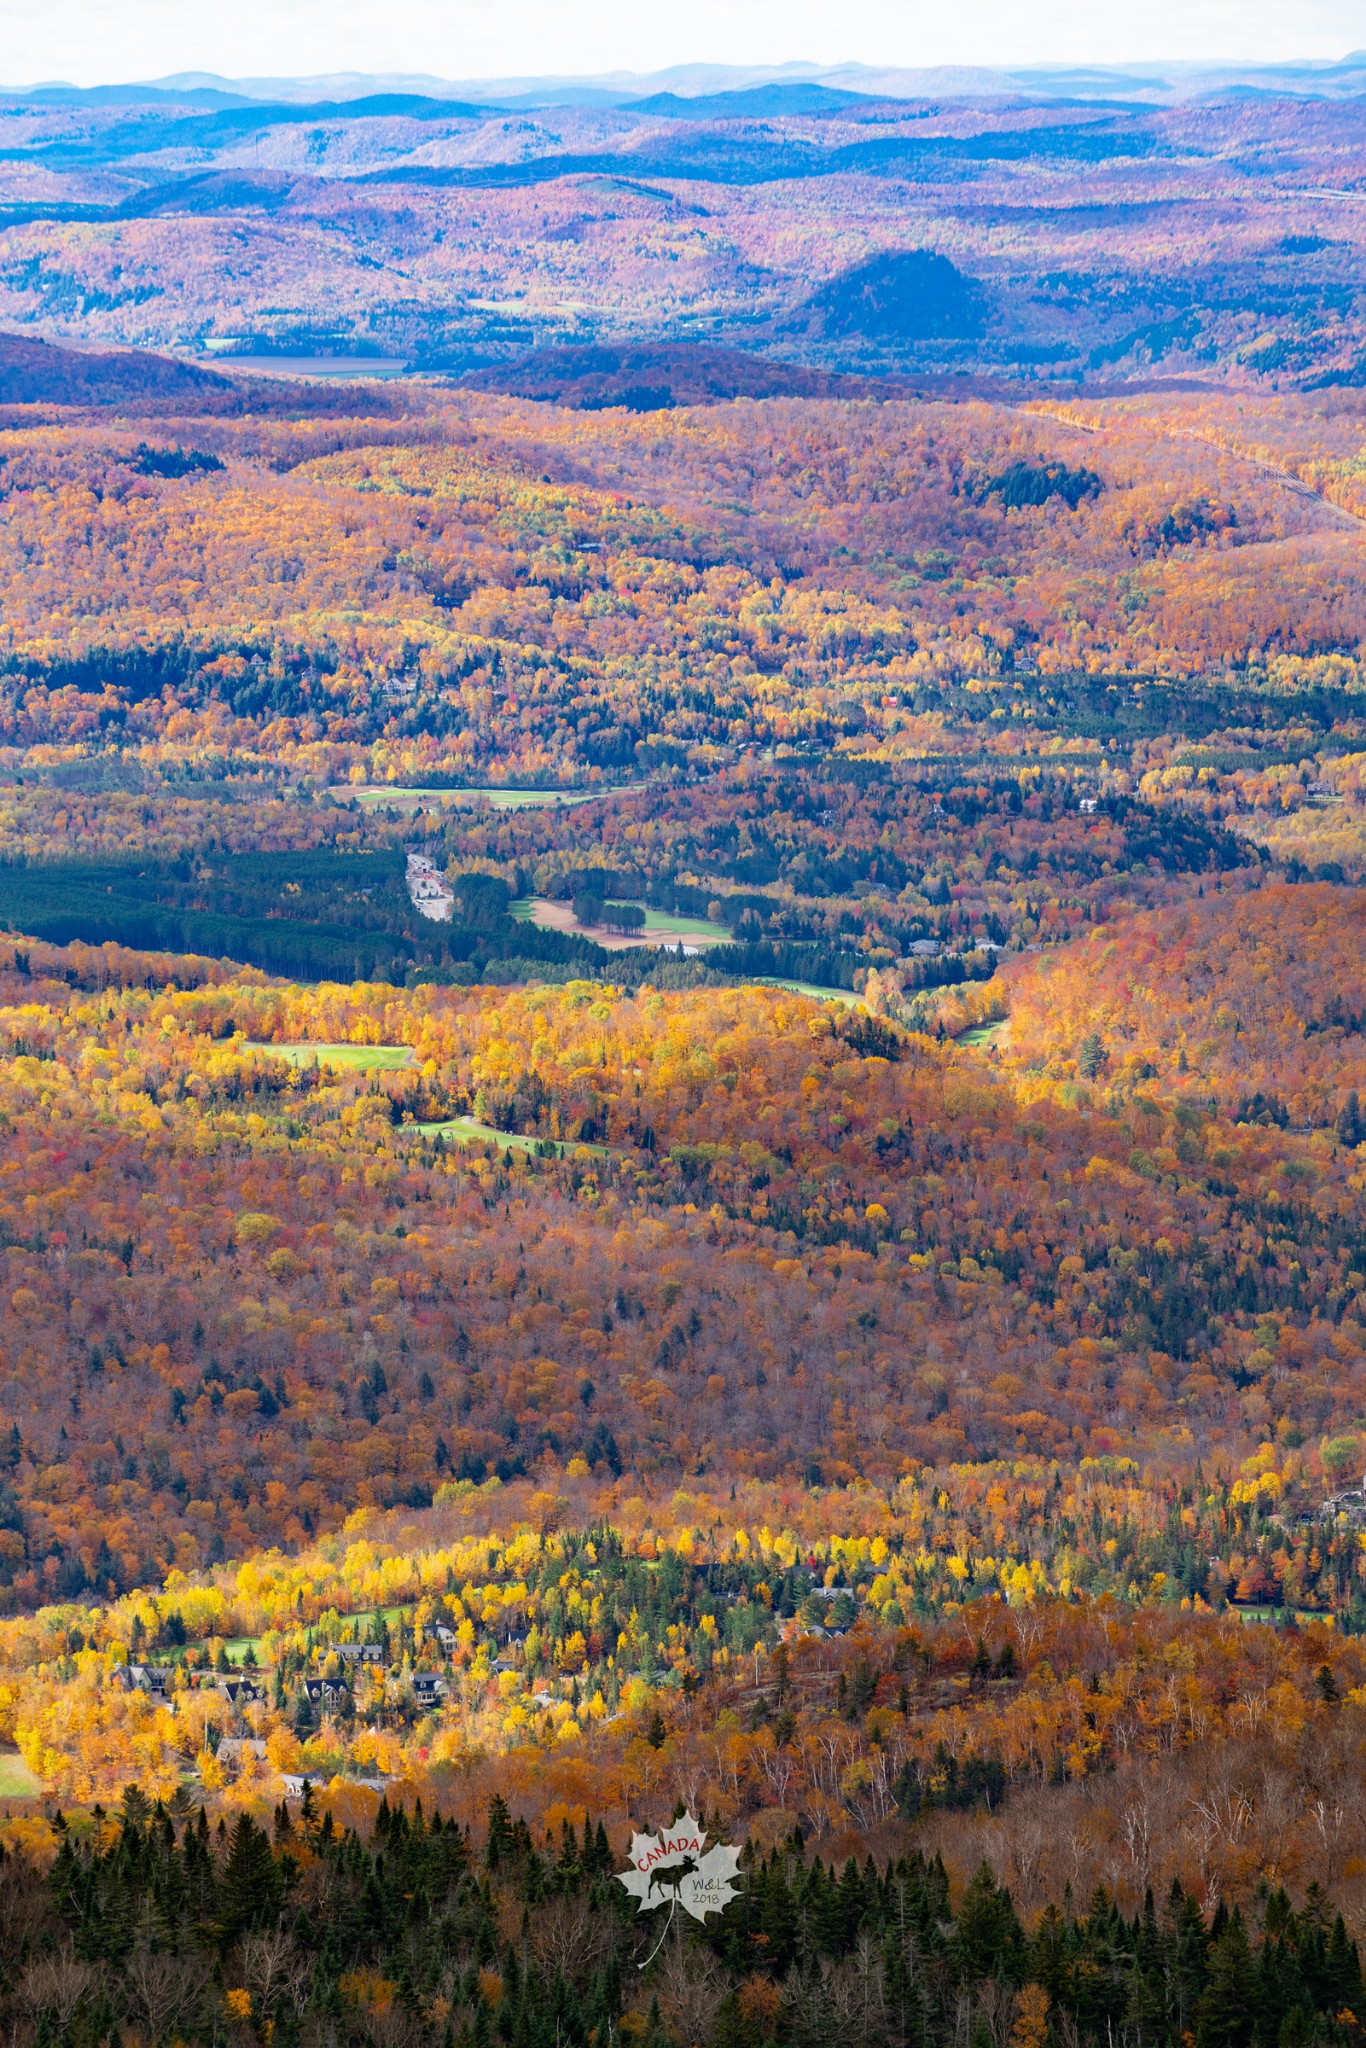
x: 704, y: 83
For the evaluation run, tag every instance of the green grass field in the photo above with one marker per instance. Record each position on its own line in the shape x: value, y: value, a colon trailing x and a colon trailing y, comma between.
x: 807, y: 988
x: 983, y: 1034
x: 236, y: 1647
x: 683, y: 927
x: 16, y: 1779
x: 1302, y: 1616
x: 361, y: 1058
x: 465, y: 1131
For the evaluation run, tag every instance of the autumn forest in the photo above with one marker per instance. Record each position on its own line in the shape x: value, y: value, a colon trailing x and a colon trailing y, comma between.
x: 682, y: 1073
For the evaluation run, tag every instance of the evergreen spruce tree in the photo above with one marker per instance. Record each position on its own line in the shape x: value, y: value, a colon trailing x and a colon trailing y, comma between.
x: 1185, y: 1940
x: 250, y: 1887
x: 500, y: 1834
x: 1226, y: 2012
x: 988, y: 1940
x: 1343, y: 1971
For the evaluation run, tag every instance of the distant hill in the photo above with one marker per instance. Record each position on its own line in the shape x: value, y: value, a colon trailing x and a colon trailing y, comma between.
x: 651, y: 376
x: 39, y: 373
x: 245, y: 118
x: 647, y: 377
x: 907, y: 295
x: 758, y: 100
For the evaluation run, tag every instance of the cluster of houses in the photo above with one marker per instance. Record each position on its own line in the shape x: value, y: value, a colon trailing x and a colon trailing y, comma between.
x: 239, y: 1749
x: 240, y: 1690
x: 158, y: 1681
x: 429, y: 1689
x: 1350, y: 1505
x: 428, y: 889
x: 325, y: 1692
x: 794, y: 1628
x: 931, y: 949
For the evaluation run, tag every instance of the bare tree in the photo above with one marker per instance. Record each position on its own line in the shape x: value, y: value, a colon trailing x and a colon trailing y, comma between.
x: 275, y: 1970
x: 858, y: 2004
x: 162, y: 1991
x: 806, y: 1999
x: 1028, y: 1626
x: 1217, y: 1819
x: 57, y: 1985
x: 778, y: 1766
x: 395, y: 2027
x: 1136, y: 1829
x: 846, y: 2003
x: 995, y: 2009
x: 691, y: 1988
x: 1029, y: 1842
x: 23, y: 1905
x: 565, y: 1935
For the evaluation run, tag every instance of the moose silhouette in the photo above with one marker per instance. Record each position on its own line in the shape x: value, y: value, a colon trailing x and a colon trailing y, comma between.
x: 668, y: 1881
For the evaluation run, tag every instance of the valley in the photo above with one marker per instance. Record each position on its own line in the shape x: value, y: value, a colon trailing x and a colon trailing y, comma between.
x: 681, y: 1069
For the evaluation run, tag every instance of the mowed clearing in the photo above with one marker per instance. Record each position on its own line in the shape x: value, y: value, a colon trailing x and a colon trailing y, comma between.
x: 463, y: 1130
x: 662, y: 927
x: 360, y: 1058
x: 16, y: 1779
x: 811, y: 988
x: 984, y: 1034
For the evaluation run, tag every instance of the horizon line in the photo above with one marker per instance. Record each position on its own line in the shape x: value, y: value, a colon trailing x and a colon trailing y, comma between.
x: 793, y: 70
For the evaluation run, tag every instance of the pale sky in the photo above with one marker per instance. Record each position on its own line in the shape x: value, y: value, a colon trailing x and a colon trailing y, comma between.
x: 92, y: 42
